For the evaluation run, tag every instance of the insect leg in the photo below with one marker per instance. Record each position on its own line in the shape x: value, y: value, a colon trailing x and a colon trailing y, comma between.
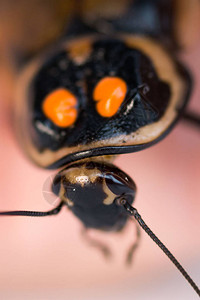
x: 134, y: 246
x: 95, y: 243
x: 192, y: 118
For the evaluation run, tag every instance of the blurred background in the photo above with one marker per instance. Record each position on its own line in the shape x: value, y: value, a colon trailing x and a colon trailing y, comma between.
x: 47, y: 258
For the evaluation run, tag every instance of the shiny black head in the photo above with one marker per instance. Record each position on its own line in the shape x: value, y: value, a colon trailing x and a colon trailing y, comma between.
x: 91, y: 190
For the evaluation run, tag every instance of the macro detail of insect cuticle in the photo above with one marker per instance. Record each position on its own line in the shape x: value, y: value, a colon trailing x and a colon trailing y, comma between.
x: 113, y: 85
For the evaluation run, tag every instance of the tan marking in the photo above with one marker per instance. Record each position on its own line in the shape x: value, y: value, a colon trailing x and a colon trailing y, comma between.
x: 62, y: 196
x: 100, y: 159
x: 110, y: 195
x: 93, y: 10
x: 81, y: 175
x: 79, y: 50
x: 166, y: 70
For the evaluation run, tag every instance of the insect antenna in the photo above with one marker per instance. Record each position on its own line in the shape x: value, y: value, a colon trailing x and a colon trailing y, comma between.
x: 54, y: 211
x: 133, y: 212
x: 192, y: 117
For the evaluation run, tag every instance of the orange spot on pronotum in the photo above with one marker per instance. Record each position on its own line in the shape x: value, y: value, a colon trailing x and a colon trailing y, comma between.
x: 109, y: 93
x: 60, y: 107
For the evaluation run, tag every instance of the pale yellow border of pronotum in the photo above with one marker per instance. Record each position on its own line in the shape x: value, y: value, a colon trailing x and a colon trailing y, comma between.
x: 166, y: 70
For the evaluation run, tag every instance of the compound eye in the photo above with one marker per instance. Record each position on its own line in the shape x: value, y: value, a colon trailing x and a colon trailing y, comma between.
x: 109, y: 94
x: 120, y: 183
x: 60, y: 106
